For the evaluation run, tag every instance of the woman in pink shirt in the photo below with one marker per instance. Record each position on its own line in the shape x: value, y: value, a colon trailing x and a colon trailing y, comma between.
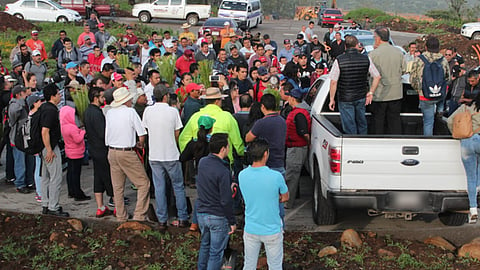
x: 74, y: 138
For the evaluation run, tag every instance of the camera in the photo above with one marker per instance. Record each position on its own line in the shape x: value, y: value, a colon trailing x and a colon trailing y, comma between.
x: 214, y: 78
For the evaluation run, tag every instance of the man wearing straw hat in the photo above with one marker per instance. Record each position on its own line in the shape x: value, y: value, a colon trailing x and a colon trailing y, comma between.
x: 186, y: 33
x: 122, y: 157
x: 225, y: 122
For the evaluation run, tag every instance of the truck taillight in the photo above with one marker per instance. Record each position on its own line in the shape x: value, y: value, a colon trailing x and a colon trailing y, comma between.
x: 335, y: 155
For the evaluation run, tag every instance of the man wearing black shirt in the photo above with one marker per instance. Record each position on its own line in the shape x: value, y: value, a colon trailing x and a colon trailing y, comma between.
x: 243, y: 83
x: 305, y: 71
x: 51, y: 157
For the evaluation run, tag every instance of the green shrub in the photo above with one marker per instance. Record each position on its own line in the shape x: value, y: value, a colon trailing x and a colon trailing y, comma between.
x: 360, y: 13
x: 441, y: 15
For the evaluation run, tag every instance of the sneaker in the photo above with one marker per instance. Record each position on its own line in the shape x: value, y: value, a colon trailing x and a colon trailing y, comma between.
x: 24, y: 190
x: 38, y: 198
x: 111, y: 203
x: 44, y: 210
x: 180, y: 223
x: 9, y: 181
x: 58, y: 213
x: 103, y: 213
x: 83, y: 198
x: 473, y: 215
x: 133, y: 187
x: 31, y: 186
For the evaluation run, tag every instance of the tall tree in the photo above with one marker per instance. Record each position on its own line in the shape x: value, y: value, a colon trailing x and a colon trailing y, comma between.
x: 456, y: 6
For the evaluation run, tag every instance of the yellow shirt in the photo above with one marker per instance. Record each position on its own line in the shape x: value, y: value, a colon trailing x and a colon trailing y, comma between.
x: 190, y: 35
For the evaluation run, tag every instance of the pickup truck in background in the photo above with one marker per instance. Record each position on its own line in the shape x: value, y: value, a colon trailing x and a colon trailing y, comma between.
x: 471, y: 30
x: 100, y: 8
x: 397, y: 175
x: 190, y: 10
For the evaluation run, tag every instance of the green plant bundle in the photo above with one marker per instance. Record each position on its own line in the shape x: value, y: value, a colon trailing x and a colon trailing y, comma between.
x: 274, y: 92
x: 205, y: 68
x: 80, y: 98
x: 123, y: 61
x: 166, y: 67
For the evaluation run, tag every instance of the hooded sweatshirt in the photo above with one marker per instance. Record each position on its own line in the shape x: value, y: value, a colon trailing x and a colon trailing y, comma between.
x: 72, y: 135
x: 17, y: 114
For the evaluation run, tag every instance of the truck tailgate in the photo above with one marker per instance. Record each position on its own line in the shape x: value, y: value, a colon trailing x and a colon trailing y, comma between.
x: 401, y: 164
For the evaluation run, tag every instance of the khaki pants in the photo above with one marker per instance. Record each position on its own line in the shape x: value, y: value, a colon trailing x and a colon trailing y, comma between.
x: 127, y: 164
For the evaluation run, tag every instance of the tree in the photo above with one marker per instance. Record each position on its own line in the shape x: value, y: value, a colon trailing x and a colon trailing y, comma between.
x: 456, y: 6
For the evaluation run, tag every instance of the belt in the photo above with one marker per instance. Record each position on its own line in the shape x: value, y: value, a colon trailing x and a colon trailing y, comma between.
x: 122, y: 148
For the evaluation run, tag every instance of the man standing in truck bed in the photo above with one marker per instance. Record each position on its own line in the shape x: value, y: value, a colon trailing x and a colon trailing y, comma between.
x: 349, y: 76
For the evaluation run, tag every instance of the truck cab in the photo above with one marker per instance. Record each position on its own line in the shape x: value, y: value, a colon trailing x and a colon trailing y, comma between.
x: 100, y: 8
x: 190, y: 10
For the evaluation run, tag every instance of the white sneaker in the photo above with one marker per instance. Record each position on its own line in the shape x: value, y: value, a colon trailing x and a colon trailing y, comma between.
x: 473, y: 215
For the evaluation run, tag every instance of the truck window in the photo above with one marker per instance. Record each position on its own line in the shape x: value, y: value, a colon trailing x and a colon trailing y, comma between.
x: 78, y: 2
x: 161, y: 2
x: 312, y: 94
x: 255, y: 6
x: 176, y: 2
x: 231, y: 5
x: 197, y: 2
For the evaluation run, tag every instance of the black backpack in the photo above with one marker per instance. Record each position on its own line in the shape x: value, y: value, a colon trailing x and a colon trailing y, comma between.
x: 434, y: 85
x: 28, y: 135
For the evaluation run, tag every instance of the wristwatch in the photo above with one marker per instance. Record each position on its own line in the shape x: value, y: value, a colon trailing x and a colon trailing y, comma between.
x: 370, y: 93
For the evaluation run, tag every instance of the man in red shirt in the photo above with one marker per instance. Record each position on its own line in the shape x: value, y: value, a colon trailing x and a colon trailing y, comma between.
x: 95, y: 60
x: 86, y: 32
x: 258, y: 88
x: 36, y: 44
x: 183, y: 63
x: 132, y: 39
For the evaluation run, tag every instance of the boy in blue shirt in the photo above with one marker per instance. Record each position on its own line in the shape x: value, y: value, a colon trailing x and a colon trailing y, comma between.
x: 262, y: 188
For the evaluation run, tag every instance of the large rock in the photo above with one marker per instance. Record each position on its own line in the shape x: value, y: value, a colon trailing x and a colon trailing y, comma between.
x: 440, y: 242
x: 134, y: 226
x: 385, y: 253
x: 330, y: 250
x: 471, y: 250
x: 351, y: 238
x: 76, y: 224
x: 54, y: 236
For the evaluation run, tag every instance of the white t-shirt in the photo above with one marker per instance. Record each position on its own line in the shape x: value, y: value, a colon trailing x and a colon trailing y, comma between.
x: 148, y: 89
x: 121, y: 125
x: 162, y: 121
x: 244, y: 51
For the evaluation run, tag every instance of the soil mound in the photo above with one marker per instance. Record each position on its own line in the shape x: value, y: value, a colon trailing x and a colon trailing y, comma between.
x: 8, y: 21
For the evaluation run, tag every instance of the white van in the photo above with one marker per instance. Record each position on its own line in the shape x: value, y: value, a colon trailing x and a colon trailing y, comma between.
x: 248, y: 13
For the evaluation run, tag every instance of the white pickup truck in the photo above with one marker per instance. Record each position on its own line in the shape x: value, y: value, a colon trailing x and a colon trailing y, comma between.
x: 398, y: 175
x: 190, y: 10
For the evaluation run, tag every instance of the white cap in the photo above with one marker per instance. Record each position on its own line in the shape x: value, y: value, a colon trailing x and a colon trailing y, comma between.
x: 226, y: 23
x: 36, y: 52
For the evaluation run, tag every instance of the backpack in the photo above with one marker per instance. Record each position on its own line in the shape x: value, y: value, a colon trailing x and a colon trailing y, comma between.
x: 28, y: 135
x: 462, y: 125
x: 434, y: 85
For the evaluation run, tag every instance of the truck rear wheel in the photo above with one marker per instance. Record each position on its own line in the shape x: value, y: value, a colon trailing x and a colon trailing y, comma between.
x: 476, y: 36
x: 192, y: 19
x: 144, y: 17
x: 323, y: 210
x: 453, y: 218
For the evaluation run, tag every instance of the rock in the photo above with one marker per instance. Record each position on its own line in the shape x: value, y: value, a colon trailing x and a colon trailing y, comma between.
x: 471, y: 250
x: 262, y: 263
x: 450, y: 256
x: 385, y: 253
x: 372, y: 234
x: 134, y: 226
x: 74, y: 246
x: 146, y: 255
x: 440, y: 242
x: 76, y: 224
x: 121, y: 264
x: 54, y: 236
x: 330, y: 250
x: 351, y: 238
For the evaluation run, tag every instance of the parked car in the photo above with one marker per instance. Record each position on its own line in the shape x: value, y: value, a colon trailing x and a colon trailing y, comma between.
x: 98, y: 8
x: 42, y: 10
x: 330, y: 16
x: 247, y: 13
x: 367, y: 39
x: 215, y: 25
x: 190, y: 10
x: 471, y: 30
x: 398, y: 175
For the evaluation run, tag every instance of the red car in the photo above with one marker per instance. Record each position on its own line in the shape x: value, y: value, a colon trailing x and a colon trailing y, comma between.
x: 330, y: 16
x: 79, y: 6
x: 215, y: 25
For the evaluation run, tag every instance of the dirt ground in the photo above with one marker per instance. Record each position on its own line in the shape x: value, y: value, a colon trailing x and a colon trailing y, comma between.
x: 44, y: 242
x: 8, y: 21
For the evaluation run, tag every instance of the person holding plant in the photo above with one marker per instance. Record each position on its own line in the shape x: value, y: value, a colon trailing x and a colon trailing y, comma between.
x: 181, y: 92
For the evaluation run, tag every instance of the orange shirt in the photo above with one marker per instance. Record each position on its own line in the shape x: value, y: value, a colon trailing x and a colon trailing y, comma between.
x: 38, y: 45
x: 226, y: 39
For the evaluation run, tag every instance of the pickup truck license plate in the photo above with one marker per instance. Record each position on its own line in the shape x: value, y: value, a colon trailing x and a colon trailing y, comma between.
x: 215, y: 33
x: 408, y: 200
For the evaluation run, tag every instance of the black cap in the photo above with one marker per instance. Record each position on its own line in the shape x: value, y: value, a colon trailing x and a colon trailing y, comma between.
x: 129, y: 27
x: 299, y: 36
x: 266, y: 36
x: 17, y: 89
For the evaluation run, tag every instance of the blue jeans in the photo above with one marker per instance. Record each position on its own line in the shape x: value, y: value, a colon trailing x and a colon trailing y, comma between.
x: 20, y: 167
x: 214, y: 231
x: 429, y: 107
x: 160, y: 169
x: 273, y: 248
x: 38, y: 177
x: 471, y: 163
x: 353, y: 117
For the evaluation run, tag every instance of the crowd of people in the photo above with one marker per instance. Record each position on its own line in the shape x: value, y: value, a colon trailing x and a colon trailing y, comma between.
x: 241, y: 141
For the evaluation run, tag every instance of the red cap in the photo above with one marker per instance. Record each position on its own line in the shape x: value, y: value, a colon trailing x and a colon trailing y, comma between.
x: 263, y: 59
x: 193, y: 86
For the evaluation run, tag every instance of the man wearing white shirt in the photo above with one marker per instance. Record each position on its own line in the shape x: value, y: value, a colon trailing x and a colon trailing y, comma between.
x: 164, y: 156
x: 154, y: 78
x: 122, y: 124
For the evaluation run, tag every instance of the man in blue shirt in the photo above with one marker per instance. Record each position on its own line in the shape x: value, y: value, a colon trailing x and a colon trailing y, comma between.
x: 214, y: 203
x: 262, y: 188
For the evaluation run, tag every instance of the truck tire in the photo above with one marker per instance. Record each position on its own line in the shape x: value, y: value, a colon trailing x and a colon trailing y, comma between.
x: 18, y: 15
x: 192, y: 19
x: 476, y: 36
x: 323, y: 210
x: 144, y: 17
x: 453, y: 218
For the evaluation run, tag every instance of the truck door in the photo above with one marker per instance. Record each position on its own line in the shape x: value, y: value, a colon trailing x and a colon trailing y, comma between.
x: 177, y: 9
x: 160, y: 9
x: 401, y: 164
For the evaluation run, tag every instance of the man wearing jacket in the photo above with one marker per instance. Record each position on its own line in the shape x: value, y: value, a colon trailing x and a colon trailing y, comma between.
x: 348, y: 76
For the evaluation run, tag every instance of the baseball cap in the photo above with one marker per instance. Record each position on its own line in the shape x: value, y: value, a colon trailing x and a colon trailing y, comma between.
x: 129, y: 27
x: 101, y: 25
x: 226, y: 23
x: 71, y: 65
x: 86, y: 37
x: 36, y: 52
x: 16, y: 63
x: 34, y: 33
x: 188, y: 53
x: 286, y: 41
x: 314, y: 36
x: 299, y: 36
x: 262, y: 59
x: 116, y: 76
x: 206, y: 121
x: 296, y: 52
x: 9, y: 78
x: 193, y: 86
x: 266, y: 36
x: 295, y: 92
x: 269, y: 47
x: 233, y: 47
x: 281, y: 77
x: 18, y: 89
x: 33, y: 98
x: 262, y: 71
x: 73, y: 84
x: 316, y: 48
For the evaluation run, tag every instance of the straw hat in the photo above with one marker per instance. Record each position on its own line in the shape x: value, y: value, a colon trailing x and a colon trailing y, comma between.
x: 185, y: 25
x: 120, y: 96
x: 213, y: 93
